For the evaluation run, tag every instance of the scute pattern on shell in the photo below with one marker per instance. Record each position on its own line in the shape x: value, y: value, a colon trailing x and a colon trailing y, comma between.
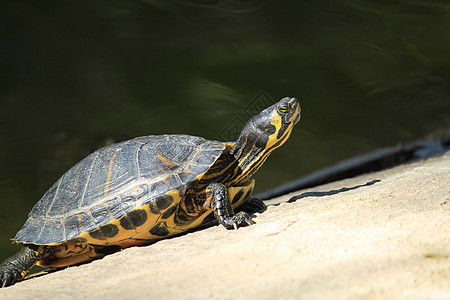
x: 114, y: 180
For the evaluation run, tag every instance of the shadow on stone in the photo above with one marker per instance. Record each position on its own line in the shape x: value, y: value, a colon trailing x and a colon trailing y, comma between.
x: 332, y: 192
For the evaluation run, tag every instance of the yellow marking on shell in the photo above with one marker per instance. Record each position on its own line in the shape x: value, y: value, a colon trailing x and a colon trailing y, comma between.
x: 166, y: 161
x: 189, y: 171
x: 108, y: 178
x: 228, y: 146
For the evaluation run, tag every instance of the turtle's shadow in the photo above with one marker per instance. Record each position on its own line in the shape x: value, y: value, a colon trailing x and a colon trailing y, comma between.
x: 329, y: 193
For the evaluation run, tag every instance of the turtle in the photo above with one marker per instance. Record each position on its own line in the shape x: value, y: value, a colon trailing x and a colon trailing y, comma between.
x: 145, y: 189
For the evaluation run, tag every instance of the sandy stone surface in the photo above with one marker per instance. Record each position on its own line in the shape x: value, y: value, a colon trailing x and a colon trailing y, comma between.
x: 383, y: 235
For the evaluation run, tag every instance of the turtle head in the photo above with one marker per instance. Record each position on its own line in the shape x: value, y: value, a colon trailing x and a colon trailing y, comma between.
x: 263, y: 133
x: 273, y: 125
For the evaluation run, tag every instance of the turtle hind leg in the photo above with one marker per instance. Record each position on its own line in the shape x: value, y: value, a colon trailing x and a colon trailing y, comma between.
x: 253, y: 205
x: 218, y: 199
x: 15, y: 267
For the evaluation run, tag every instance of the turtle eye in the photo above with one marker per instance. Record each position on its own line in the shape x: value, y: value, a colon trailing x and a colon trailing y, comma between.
x: 283, y: 109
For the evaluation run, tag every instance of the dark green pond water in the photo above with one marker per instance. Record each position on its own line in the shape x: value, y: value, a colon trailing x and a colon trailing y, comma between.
x: 76, y: 75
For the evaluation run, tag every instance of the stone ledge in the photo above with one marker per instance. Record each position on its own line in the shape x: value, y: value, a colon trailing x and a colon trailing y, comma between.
x: 380, y: 235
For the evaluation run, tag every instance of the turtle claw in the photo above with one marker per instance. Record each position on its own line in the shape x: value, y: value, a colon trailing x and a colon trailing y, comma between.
x: 236, y: 220
x: 9, y: 276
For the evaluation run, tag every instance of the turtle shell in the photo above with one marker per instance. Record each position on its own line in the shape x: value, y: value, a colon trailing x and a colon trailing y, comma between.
x: 114, y: 184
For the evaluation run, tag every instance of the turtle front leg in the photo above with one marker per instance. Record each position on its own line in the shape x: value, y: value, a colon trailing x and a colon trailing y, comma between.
x: 218, y: 199
x: 15, y: 267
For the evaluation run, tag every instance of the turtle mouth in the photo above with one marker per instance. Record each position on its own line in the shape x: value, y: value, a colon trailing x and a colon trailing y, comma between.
x: 297, y: 118
x: 294, y: 117
x: 296, y: 114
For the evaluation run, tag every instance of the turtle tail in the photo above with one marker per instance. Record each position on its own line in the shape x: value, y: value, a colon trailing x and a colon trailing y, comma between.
x: 15, y: 267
